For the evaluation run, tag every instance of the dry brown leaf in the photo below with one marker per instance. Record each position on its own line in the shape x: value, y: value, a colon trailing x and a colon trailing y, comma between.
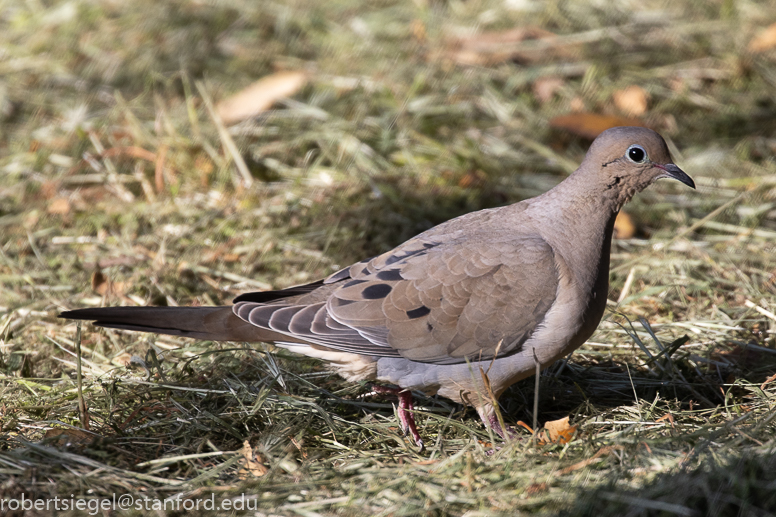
x: 765, y: 40
x: 59, y: 206
x: 559, y: 431
x: 632, y: 101
x: 103, y: 286
x: 536, y: 488
x: 123, y: 359
x: 497, y: 47
x: 624, y: 227
x: 260, y: 96
x: 419, y: 30
x: 590, y: 125
x: 49, y: 189
x: 99, y: 282
x: 473, y: 179
x: 204, y: 165
x: 577, y: 105
x: 67, y: 437
x: 545, y: 88
x: 251, y: 462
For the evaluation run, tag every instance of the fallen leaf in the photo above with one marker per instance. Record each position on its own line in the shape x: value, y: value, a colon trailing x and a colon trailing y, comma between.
x: 545, y: 88
x: 59, y: 206
x: 49, y: 189
x: 103, y: 286
x: 260, y: 96
x: 632, y: 101
x: 473, y: 179
x: 559, y: 431
x: 67, y: 437
x: 497, y: 47
x: 536, y: 488
x: 590, y: 125
x: 205, y: 166
x: 624, y: 227
x: 419, y: 30
x: 99, y: 282
x: 251, y: 462
x: 577, y: 105
x: 765, y: 40
x: 124, y: 359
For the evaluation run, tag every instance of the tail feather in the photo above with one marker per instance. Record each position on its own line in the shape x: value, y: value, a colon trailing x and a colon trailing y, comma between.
x: 207, y: 323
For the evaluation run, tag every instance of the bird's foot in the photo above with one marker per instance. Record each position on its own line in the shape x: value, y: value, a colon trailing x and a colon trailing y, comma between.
x: 506, y: 434
x: 405, y: 410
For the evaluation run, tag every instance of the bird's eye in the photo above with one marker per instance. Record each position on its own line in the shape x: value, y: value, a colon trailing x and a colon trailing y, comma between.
x: 636, y: 154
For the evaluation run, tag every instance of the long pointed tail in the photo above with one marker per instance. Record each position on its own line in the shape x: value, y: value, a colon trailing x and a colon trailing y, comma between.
x: 209, y: 323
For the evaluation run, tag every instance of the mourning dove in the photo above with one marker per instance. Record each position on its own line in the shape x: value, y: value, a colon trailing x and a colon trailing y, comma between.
x: 475, y: 300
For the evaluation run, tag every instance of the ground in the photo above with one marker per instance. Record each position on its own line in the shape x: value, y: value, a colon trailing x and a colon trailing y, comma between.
x: 125, y: 180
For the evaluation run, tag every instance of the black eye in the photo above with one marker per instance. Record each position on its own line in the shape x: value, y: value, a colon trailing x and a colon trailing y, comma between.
x: 637, y: 154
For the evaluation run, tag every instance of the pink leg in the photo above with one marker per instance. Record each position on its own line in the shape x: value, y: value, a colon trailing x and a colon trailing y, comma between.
x: 405, y: 411
x: 491, y: 420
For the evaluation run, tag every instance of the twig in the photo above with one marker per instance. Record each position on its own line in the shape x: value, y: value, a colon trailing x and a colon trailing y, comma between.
x: 226, y: 138
x: 584, y: 463
x: 159, y: 168
x: 764, y: 312
x: 627, y: 286
x: 79, y: 379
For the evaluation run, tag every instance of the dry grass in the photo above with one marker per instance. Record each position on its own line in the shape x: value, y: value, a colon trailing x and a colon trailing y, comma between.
x: 99, y: 101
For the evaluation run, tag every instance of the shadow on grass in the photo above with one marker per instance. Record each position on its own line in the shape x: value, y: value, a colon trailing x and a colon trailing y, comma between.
x: 731, y: 485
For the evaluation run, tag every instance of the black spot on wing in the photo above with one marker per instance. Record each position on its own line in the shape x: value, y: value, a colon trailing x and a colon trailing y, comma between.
x: 389, y: 275
x: 418, y: 313
x: 354, y: 282
x: 376, y: 291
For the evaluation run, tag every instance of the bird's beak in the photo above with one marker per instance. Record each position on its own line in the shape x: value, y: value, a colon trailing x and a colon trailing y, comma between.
x: 672, y: 171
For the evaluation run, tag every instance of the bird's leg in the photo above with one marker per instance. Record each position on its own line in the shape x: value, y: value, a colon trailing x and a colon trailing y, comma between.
x: 405, y: 410
x: 490, y: 419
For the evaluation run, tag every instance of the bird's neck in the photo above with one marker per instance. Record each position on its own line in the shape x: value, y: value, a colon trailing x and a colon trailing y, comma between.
x: 580, y: 196
x: 579, y: 219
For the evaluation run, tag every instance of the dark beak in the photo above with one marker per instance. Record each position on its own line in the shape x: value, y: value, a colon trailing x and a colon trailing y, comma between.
x: 672, y: 171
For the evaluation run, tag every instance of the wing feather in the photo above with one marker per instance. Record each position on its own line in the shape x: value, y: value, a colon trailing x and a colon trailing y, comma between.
x: 437, y: 301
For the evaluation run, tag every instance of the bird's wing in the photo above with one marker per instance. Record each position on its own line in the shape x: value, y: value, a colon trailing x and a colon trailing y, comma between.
x: 428, y: 300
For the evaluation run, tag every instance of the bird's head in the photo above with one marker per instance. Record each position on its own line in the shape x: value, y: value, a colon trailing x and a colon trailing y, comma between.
x: 629, y: 159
